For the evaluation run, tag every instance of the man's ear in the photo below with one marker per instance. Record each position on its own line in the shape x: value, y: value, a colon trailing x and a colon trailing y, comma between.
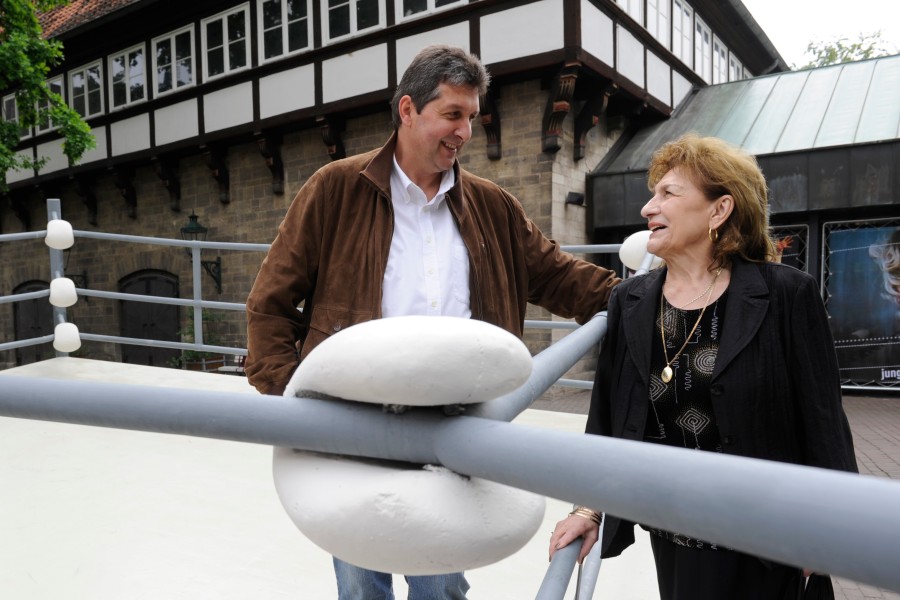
x: 406, y: 108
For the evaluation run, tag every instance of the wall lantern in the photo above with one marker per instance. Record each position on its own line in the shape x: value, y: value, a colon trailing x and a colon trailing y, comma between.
x: 195, y: 232
x: 575, y: 198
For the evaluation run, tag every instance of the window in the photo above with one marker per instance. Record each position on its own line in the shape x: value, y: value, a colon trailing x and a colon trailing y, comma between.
x: 285, y: 27
x: 735, y: 69
x: 345, y: 18
x: 634, y: 8
x: 10, y: 110
x: 658, y: 20
x: 173, y: 61
x: 702, y: 50
x: 720, y: 61
x: 683, y: 31
x: 11, y: 114
x: 226, y: 45
x: 127, y: 77
x: 410, y: 9
x: 86, y: 90
x: 44, y: 123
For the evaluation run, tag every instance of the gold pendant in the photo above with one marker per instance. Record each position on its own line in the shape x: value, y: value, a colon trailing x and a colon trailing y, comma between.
x: 667, y: 374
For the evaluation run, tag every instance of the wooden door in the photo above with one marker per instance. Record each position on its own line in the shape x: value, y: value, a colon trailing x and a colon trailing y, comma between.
x: 150, y: 321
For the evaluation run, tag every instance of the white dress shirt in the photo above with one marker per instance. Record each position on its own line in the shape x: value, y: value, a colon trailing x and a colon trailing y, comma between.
x: 428, y: 266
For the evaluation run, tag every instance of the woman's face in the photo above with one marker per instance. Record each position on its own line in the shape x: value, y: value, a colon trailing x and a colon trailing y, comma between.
x: 678, y: 216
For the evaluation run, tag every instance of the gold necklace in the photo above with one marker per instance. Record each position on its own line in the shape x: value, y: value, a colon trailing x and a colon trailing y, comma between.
x: 667, y: 372
x: 700, y: 295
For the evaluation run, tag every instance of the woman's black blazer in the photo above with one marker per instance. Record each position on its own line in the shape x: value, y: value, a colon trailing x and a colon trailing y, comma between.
x: 775, y: 387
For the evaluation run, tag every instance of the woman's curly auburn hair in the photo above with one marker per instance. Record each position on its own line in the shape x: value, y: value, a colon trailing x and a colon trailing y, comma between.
x: 718, y: 168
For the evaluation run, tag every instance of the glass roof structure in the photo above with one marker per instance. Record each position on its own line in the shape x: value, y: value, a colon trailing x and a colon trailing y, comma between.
x: 848, y: 104
x: 827, y: 139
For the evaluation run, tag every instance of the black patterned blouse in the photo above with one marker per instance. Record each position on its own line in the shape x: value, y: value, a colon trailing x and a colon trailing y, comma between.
x: 681, y: 412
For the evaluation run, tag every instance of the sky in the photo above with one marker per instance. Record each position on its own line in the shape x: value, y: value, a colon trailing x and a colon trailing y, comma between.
x: 792, y: 24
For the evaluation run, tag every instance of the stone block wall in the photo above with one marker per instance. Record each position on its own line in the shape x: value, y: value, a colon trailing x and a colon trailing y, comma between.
x: 539, y: 180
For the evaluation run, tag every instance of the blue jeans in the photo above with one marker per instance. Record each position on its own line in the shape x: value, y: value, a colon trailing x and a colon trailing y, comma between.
x: 356, y: 583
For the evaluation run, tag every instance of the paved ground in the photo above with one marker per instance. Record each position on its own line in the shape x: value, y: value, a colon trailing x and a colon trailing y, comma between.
x: 96, y: 513
x: 875, y: 421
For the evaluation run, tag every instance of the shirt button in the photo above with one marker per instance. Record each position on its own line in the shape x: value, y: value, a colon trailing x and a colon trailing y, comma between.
x: 728, y: 440
x: 337, y: 327
x: 433, y: 304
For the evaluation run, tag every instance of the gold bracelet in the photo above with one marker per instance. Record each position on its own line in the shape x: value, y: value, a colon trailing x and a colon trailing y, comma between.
x: 587, y: 513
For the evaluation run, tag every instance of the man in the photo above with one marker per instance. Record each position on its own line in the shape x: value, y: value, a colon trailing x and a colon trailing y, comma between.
x: 403, y: 230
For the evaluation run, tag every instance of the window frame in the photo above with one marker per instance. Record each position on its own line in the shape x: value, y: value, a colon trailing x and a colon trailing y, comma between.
x: 223, y: 16
x: 170, y: 37
x: 58, y: 80
x: 354, y: 32
x: 662, y: 20
x: 703, y: 45
x: 24, y: 132
x: 632, y: 6
x: 431, y: 9
x: 685, y: 50
x: 83, y: 70
x: 735, y: 68
x: 719, y: 60
x: 110, y: 75
x: 261, y: 38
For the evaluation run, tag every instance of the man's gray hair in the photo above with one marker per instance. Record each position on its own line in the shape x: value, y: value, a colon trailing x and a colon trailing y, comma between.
x: 433, y: 66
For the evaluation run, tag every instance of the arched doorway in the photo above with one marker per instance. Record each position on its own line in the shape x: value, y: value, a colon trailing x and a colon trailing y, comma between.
x: 33, y: 318
x: 147, y: 320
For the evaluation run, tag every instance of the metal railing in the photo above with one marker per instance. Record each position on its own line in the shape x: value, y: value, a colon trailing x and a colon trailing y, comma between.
x: 828, y: 521
x: 196, y: 303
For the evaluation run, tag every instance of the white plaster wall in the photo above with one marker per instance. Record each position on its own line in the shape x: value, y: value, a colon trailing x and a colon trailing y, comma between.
x: 630, y: 56
x: 597, y: 33
x: 355, y: 73
x: 681, y: 87
x: 130, y: 135
x: 53, y: 152
x: 659, y: 78
x: 229, y: 107
x: 13, y: 176
x: 408, y: 47
x: 522, y: 31
x: 177, y: 122
x: 286, y: 91
x: 98, y: 152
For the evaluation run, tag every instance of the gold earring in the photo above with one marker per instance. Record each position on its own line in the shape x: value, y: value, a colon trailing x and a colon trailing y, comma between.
x: 713, y: 235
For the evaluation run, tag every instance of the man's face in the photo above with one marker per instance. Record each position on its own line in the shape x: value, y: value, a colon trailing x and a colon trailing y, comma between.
x: 431, y: 138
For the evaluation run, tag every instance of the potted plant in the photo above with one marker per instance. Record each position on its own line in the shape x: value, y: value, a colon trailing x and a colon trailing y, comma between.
x: 197, y: 360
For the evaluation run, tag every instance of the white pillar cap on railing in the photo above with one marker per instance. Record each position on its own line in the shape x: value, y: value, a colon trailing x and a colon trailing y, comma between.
x: 59, y: 234
x: 634, y: 249
x: 62, y: 292
x: 66, y: 338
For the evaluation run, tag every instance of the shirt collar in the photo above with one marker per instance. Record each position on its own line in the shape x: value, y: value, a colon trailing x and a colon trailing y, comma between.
x: 448, y: 179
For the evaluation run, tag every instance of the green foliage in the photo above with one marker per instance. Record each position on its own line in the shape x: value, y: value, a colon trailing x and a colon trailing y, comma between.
x: 209, y: 338
x: 843, y: 50
x: 26, y: 59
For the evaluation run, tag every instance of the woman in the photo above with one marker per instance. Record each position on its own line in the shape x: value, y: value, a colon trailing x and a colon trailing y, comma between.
x: 720, y: 350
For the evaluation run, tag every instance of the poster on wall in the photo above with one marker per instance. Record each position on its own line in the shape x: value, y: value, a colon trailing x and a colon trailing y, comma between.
x: 862, y: 284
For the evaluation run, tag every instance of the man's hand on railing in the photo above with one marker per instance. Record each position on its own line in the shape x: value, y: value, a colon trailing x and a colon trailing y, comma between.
x: 570, y: 529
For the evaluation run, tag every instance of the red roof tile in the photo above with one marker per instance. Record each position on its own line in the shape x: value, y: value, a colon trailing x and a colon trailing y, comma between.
x: 77, y: 13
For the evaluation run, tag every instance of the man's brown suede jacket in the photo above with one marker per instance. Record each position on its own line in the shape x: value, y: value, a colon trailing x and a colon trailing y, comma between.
x: 331, y: 252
